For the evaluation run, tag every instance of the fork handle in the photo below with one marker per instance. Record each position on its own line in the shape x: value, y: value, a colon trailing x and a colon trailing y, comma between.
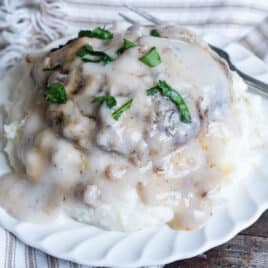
x: 253, y: 83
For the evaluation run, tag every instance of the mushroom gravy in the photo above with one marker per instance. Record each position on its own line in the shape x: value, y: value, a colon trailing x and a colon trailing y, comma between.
x: 76, y: 152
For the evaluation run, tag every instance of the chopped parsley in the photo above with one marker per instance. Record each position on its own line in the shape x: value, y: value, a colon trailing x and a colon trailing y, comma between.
x: 152, y: 91
x: 117, y: 113
x: 151, y: 58
x: 126, y: 44
x: 84, y: 50
x: 88, y: 54
x: 175, y: 97
x: 98, y: 32
x: 155, y: 32
x: 53, y: 68
x: 55, y: 93
x: 110, y: 100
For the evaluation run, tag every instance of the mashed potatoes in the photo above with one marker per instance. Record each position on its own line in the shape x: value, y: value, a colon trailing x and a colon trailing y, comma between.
x: 126, y: 130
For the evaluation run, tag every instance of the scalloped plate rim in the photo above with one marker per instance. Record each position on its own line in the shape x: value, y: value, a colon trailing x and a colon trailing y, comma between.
x: 172, y: 258
x: 11, y: 224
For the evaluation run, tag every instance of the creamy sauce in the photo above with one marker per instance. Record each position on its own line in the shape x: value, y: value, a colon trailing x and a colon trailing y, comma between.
x: 76, y: 153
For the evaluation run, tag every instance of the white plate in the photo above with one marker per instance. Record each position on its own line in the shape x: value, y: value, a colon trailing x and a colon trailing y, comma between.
x: 89, y: 245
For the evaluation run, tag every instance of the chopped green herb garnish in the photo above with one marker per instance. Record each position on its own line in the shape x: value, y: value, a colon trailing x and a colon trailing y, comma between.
x: 55, y: 93
x: 88, y: 54
x: 53, y: 68
x: 155, y: 32
x: 117, y: 113
x: 152, y: 91
x: 84, y: 50
x: 110, y: 100
x: 126, y: 44
x: 98, y: 32
x: 175, y: 97
x: 151, y: 58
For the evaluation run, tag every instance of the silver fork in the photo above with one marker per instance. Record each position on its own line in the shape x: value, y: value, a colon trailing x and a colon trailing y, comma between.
x: 252, y: 82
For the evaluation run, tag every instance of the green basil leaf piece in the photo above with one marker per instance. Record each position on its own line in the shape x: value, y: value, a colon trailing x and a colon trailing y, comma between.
x: 88, y: 54
x: 117, y: 113
x: 155, y: 32
x: 151, y: 58
x: 126, y: 45
x: 55, y: 93
x: 110, y: 100
x: 165, y: 90
x: 98, y: 32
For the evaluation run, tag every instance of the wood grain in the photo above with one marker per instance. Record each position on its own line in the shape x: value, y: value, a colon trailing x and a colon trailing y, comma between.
x: 248, y: 249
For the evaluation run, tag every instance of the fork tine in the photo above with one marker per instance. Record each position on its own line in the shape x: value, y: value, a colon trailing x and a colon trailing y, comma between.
x: 128, y: 19
x: 145, y: 15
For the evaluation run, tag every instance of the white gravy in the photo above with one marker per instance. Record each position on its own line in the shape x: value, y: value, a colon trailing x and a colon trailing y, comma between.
x: 77, y: 153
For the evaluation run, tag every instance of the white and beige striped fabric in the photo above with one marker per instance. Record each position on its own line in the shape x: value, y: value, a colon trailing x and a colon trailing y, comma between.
x: 14, y: 253
x: 28, y: 24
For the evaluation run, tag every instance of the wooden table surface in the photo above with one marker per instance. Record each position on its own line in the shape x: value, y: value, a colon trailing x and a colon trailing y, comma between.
x: 247, y: 250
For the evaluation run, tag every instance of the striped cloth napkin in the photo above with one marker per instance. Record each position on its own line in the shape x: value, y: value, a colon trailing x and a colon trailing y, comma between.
x: 29, y: 24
